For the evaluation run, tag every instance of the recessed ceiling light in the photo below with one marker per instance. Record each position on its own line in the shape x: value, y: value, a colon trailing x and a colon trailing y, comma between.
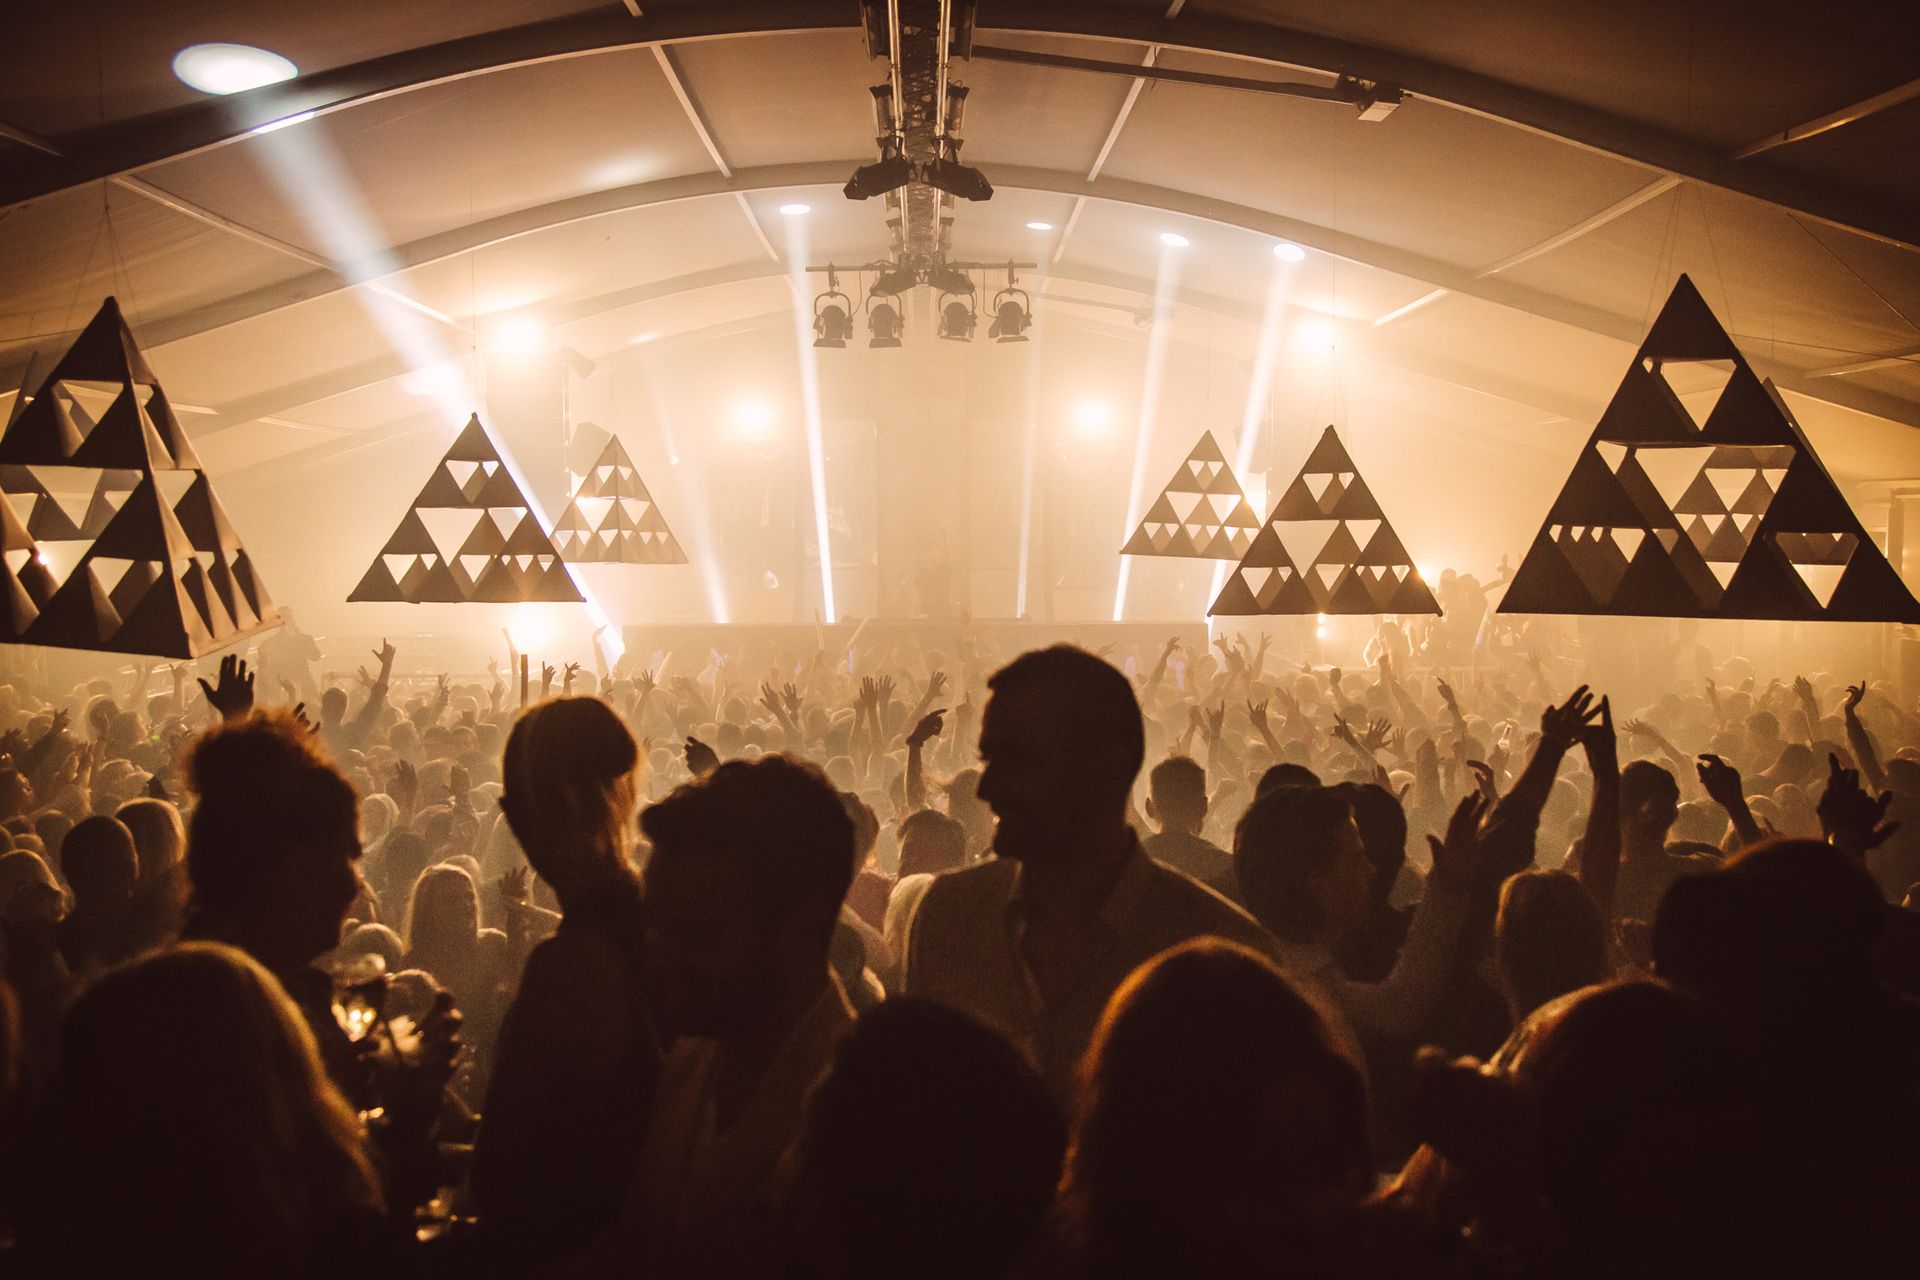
x: 795, y: 209
x: 1039, y: 226
x: 1289, y: 252
x: 230, y: 68
x: 1173, y: 240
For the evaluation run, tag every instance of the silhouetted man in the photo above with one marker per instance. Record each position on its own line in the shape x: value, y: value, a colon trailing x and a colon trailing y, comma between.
x: 1036, y: 940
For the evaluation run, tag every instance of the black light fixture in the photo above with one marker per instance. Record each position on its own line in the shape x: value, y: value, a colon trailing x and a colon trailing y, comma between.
x: 883, y: 324
x: 962, y: 180
x: 1012, y: 313
x: 957, y: 317
x: 893, y: 280
x: 832, y: 315
x: 876, y: 179
x: 948, y: 278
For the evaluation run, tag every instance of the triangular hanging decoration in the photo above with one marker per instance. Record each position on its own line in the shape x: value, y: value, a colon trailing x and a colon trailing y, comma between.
x: 1352, y: 561
x: 415, y: 567
x: 1760, y: 532
x: 167, y: 579
x: 629, y: 528
x: 1202, y: 514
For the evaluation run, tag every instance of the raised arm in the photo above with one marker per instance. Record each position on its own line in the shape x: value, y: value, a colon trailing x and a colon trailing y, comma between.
x: 1600, y: 851
x: 1723, y: 786
x: 1859, y: 741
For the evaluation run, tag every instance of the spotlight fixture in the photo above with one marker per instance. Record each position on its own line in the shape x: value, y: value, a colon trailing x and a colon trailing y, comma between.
x: 883, y: 324
x: 948, y: 278
x: 1173, y: 240
x: 894, y: 280
x: 957, y: 318
x: 795, y: 209
x: 880, y: 177
x: 1289, y: 252
x: 1012, y: 313
x: 1039, y: 226
x: 964, y: 181
x: 230, y: 68
x: 832, y: 315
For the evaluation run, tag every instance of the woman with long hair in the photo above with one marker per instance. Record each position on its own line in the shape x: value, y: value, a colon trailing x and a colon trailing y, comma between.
x: 190, y: 1129
x: 578, y: 1058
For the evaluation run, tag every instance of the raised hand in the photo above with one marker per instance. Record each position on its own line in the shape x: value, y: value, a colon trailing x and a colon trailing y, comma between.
x: 547, y: 672
x: 701, y: 758
x: 516, y: 885
x: 791, y: 696
x: 567, y: 675
x: 1216, y: 721
x: 300, y: 718
x: 384, y: 655
x: 1562, y: 725
x: 404, y: 785
x: 1597, y: 736
x: 1378, y: 736
x: 1850, y: 817
x: 1722, y: 781
x: 1257, y: 713
x: 1641, y: 729
x: 1483, y: 779
x: 1456, y: 858
x: 1446, y: 693
x: 645, y: 682
x: 1803, y: 688
x: 1855, y: 694
x: 929, y: 726
x: 936, y: 685
x: 771, y: 701
x: 885, y: 688
x: 232, y: 697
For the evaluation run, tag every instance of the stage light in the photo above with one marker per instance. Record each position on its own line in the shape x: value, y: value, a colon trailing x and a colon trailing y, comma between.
x: 1314, y: 336
x: 956, y: 179
x: 878, y: 178
x: 230, y: 68
x: 957, y: 319
x: 1173, y: 240
x: 1039, y: 226
x: 1091, y: 420
x: 431, y: 380
x: 883, y: 324
x: 795, y: 209
x: 894, y: 280
x: 753, y: 421
x: 520, y: 335
x: 529, y: 628
x: 950, y: 279
x: 1320, y: 632
x: 1288, y: 252
x: 1012, y: 313
x: 1428, y: 574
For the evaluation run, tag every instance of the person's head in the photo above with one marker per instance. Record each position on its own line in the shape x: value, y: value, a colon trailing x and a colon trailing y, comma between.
x: 1763, y: 729
x: 1644, y: 1143
x: 1786, y: 929
x: 1063, y: 741
x: 16, y: 793
x: 1548, y: 940
x: 274, y: 841
x: 1795, y: 763
x: 744, y: 884
x: 333, y: 705
x: 233, y: 1155
x: 1215, y: 1114
x: 374, y: 940
x: 931, y: 842
x: 1300, y: 867
x: 866, y: 826
x: 443, y: 915
x: 928, y: 1128
x: 159, y: 837
x: 569, y: 791
x: 101, y: 865
x: 1649, y: 802
x: 1382, y: 824
x: 1285, y: 774
x: 1177, y: 795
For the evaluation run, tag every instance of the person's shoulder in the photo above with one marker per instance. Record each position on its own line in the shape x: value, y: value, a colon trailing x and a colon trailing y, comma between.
x: 989, y: 881
x: 1196, y: 910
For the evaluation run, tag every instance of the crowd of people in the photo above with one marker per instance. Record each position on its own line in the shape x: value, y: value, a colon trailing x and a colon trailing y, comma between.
x: 894, y: 960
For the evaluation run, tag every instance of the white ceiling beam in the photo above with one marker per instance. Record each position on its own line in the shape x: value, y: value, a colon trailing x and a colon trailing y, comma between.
x: 1833, y: 119
x: 1126, y: 109
x: 1910, y: 358
x: 676, y: 81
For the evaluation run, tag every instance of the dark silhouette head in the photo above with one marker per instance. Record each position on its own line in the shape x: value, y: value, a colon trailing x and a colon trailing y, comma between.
x: 569, y: 791
x: 197, y: 1131
x: 1285, y: 774
x: 1177, y: 795
x: 1548, y: 940
x: 101, y: 865
x: 1382, y: 824
x: 1649, y: 802
x: 931, y: 842
x: 931, y: 1138
x: 159, y: 837
x: 749, y: 867
x: 1300, y: 867
x: 1063, y: 742
x: 274, y: 841
x: 1215, y: 1115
